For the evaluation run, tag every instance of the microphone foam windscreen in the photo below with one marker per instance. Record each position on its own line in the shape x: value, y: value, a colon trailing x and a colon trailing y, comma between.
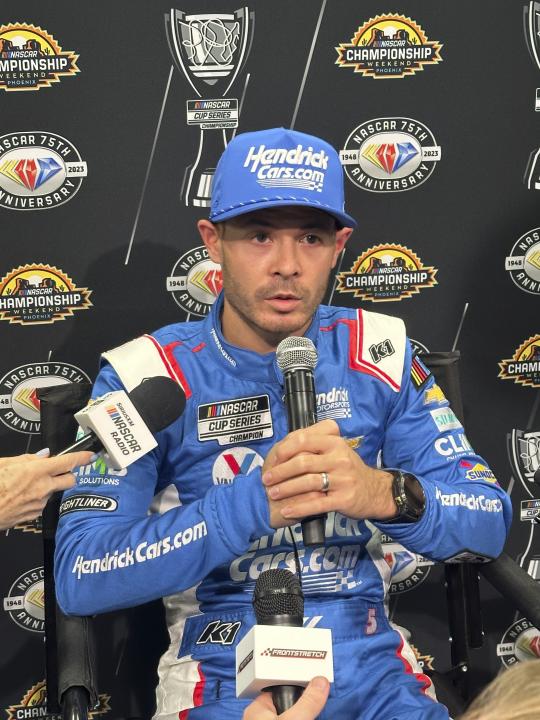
x: 159, y: 401
x: 294, y: 353
x: 277, y: 592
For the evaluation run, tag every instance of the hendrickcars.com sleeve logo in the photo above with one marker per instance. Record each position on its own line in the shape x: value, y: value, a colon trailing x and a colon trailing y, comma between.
x: 30, y: 58
x: 33, y: 294
x: 388, y: 46
x: 524, y: 367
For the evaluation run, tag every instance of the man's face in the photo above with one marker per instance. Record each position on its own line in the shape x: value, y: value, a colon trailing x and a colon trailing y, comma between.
x: 275, y: 265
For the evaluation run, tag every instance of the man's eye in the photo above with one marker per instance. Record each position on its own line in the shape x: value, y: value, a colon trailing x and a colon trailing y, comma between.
x: 261, y: 237
x: 311, y: 239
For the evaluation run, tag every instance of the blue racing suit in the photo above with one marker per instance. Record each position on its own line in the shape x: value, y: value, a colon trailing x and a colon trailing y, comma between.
x: 215, y: 540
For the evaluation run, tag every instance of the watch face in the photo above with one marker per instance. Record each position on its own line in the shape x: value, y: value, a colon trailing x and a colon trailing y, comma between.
x: 409, y: 496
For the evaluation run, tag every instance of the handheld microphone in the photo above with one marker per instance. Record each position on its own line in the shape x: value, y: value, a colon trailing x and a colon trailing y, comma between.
x: 278, y: 654
x: 296, y: 358
x: 124, y: 424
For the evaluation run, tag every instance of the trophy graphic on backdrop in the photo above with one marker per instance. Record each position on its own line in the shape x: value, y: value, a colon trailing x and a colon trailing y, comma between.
x: 524, y: 454
x: 531, y: 26
x: 210, y: 50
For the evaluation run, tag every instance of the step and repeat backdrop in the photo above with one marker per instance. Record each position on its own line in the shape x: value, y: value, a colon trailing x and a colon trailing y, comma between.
x: 113, y: 115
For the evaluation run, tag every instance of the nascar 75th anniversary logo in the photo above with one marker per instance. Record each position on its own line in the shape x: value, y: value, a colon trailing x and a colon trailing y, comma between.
x: 388, y: 46
x: 386, y: 272
x: 38, y: 170
x: 30, y: 58
x: 33, y: 294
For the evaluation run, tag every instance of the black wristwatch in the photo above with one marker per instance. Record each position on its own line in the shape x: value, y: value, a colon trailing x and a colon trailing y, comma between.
x: 408, y: 496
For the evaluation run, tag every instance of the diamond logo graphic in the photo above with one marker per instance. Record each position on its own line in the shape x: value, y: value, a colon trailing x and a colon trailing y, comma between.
x: 390, y: 156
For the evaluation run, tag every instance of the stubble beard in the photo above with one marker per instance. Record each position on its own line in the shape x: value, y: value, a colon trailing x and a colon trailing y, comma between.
x: 272, y: 327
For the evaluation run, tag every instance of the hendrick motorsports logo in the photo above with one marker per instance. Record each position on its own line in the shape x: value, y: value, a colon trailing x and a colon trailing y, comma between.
x: 233, y: 462
x: 390, y: 154
x: 523, y: 263
x: 524, y: 367
x: 19, y: 403
x: 195, y: 282
x: 25, y: 602
x: 38, y: 170
x: 389, y: 46
x: 407, y: 568
x: 30, y: 58
x: 520, y: 642
x: 33, y: 294
x: 34, y: 705
x: 386, y: 272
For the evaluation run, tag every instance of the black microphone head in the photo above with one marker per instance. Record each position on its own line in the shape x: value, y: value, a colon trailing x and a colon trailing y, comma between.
x: 294, y: 353
x: 278, y: 598
x: 159, y: 401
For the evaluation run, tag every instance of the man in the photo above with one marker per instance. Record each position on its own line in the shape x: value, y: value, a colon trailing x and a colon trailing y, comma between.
x: 28, y: 481
x: 277, y: 226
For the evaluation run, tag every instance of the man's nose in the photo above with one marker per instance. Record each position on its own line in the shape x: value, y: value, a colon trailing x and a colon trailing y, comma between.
x: 287, y: 258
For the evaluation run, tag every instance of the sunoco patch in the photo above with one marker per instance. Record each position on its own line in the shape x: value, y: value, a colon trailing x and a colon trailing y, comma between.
x: 233, y: 421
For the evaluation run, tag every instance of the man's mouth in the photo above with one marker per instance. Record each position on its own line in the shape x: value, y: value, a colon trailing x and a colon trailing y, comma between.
x: 283, y: 301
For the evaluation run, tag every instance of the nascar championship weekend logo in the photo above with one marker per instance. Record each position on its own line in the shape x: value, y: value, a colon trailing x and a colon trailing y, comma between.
x: 386, y: 272
x: 30, y: 58
x: 524, y: 367
x: 33, y: 294
x: 388, y: 46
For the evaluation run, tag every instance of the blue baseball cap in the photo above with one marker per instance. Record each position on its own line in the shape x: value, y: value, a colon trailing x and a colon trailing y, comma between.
x: 277, y: 168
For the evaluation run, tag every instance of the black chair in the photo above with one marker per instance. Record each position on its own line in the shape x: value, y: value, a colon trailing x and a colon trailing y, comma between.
x: 128, y: 643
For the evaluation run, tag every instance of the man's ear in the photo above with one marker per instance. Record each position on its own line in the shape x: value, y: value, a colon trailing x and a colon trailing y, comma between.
x: 211, y: 238
x: 341, y: 240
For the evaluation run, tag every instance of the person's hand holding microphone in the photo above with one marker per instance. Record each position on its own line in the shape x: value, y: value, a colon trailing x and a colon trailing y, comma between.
x: 307, y: 707
x: 28, y: 481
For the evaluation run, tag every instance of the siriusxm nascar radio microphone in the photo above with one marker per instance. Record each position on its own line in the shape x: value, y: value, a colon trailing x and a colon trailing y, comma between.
x: 124, y: 424
x: 296, y: 358
x: 278, y: 653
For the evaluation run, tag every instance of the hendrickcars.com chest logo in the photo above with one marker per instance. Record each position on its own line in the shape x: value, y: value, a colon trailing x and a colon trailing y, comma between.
x: 19, y: 402
x: 195, y: 282
x: 524, y: 367
x: 38, y: 170
x: 523, y: 263
x: 34, y: 705
x: 386, y: 272
x: 391, y: 154
x: 388, y: 46
x: 34, y: 294
x: 30, y: 58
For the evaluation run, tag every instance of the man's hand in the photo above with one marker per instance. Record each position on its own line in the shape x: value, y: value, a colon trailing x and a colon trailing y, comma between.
x: 292, y: 474
x: 28, y: 481
x: 307, y: 708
